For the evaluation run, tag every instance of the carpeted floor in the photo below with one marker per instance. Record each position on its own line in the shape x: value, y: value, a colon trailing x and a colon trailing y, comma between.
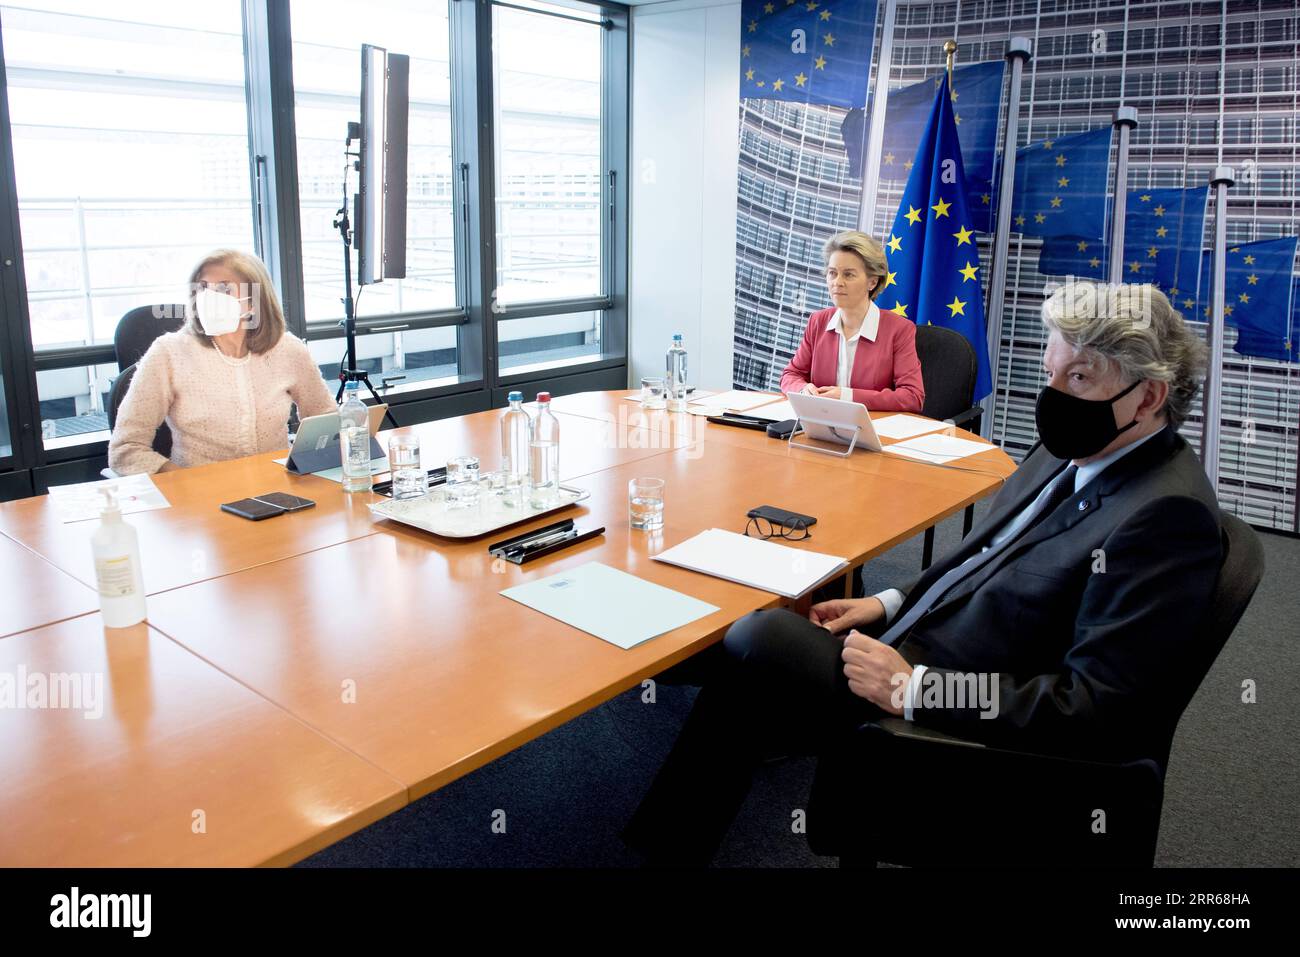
x: 1230, y: 799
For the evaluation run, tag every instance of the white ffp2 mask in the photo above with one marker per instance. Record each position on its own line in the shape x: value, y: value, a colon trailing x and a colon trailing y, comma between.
x: 219, y: 312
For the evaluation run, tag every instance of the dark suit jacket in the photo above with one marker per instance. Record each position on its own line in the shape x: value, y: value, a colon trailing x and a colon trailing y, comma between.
x: 1091, y: 662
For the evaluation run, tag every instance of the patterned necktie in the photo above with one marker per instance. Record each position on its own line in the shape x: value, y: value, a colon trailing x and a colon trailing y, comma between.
x: 1060, y: 488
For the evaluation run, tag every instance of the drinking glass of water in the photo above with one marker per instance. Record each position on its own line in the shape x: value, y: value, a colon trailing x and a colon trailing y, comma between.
x: 652, y: 393
x: 409, y: 478
x: 645, y: 498
x: 462, y: 481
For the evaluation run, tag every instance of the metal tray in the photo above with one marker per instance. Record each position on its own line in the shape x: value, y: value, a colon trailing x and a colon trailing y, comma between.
x: 429, y: 512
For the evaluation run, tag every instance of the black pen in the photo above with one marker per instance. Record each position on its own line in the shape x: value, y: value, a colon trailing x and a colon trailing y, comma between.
x: 526, y: 547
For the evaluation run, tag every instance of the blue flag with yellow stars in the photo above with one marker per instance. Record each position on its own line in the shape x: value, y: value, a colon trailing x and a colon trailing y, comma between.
x: 976, y: 98
x: 1273, y: 343
x: 808, y: 51
x: 1257, y: 296
x: 1061, y: 186
x: 1163, y: 229
x: 933, y: 263
x: 1252, y: 341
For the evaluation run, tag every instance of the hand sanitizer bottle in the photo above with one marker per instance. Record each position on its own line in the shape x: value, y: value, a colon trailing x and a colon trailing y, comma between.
x: 116, y: 549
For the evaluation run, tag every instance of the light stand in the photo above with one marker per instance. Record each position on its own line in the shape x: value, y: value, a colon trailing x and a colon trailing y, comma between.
x: 348, y: 371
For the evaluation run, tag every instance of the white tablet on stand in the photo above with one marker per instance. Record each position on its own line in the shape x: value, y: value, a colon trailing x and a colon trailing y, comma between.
x: 833, y: 420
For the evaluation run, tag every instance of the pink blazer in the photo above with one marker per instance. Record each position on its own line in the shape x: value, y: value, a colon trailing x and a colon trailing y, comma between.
x: 886, y: 373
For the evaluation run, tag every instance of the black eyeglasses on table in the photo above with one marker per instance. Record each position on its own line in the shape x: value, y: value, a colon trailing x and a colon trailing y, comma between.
x: 765, y: 528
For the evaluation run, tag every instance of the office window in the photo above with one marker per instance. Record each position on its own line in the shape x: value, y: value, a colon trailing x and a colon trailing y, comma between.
x: 547, y: 95
x: 130, y: 140
x: 327, y: 39
x: 74, y: 404
x: 397, y: 361
x: 543, y: 342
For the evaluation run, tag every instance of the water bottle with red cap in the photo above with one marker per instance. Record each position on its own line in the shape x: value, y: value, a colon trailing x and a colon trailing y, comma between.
x: 544, y: 455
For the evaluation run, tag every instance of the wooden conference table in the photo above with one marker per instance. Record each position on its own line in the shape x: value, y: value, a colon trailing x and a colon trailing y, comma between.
x: 302, y: 677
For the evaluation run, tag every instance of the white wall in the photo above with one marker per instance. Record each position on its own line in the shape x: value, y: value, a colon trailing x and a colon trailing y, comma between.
x: 685, y: 108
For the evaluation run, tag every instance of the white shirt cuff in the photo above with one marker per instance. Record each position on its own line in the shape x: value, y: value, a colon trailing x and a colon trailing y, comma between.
x: 909, y: 694
x: 892, y: 599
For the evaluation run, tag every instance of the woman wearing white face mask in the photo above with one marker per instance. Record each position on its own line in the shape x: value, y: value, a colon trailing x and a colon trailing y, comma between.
x: 224, y: 381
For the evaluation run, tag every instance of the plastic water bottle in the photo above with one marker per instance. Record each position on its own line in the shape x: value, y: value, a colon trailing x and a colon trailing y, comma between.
x: 544, y: 456
x: 676, y: 381
x: 116, y: 550
x: 354, y: 440
x: 515, y: 426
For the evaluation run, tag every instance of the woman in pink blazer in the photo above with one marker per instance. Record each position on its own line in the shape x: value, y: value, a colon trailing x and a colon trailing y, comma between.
x: 857, y: 351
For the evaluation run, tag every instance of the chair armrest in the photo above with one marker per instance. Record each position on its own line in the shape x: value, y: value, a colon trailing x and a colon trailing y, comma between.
x: 973, y: 412
x: 901, y: 730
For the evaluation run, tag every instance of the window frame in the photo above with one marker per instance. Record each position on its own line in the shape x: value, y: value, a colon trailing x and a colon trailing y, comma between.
x: 276, y: 229
x: 611, y: 302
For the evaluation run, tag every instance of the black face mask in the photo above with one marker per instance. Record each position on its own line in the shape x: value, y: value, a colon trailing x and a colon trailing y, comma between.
x: 1074, y: 428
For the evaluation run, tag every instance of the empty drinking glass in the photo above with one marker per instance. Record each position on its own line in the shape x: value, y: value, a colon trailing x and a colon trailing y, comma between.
x: 492, y: 489
x: 409, y: 478
x: 645, y: 498
x: 462, y: 481
x: 652, y: 393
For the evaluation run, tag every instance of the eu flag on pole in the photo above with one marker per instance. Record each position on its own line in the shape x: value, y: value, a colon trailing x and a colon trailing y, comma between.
x: 1061, y: 186
x: 1257, y: 299
x: 976, y: 99
x: 808, y: 51
x: 1163, y: 229
x: 933, y: 263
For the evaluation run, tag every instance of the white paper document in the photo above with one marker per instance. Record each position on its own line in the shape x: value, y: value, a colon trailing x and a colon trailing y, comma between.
x: 134, y: 493
x: 776, y: 411
x: 756, y: 562
x: 612, y: 605
x: 938, y: 448
x: 735, y: 400
x: 903, y: 426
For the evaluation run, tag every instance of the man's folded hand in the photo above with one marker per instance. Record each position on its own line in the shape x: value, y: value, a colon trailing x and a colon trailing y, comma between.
x: 841, y: 614
x: 876, y: 671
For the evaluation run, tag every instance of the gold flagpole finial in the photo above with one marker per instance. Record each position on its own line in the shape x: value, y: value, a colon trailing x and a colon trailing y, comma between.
x: 950, y: 51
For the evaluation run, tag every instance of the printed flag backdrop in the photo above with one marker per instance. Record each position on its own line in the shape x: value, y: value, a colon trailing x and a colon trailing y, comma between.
x: 807, y: 51
x: 1162, y: 244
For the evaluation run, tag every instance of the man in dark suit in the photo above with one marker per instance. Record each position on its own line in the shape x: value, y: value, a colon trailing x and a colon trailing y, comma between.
x: 1060, y: 624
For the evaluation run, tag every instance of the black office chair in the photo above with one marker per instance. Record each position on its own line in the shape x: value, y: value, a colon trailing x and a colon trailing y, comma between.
x: 137, y: 330
x: 132, y: 338
x: 162, y: 440
x: 949, y: 368
x: 898, y: 793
